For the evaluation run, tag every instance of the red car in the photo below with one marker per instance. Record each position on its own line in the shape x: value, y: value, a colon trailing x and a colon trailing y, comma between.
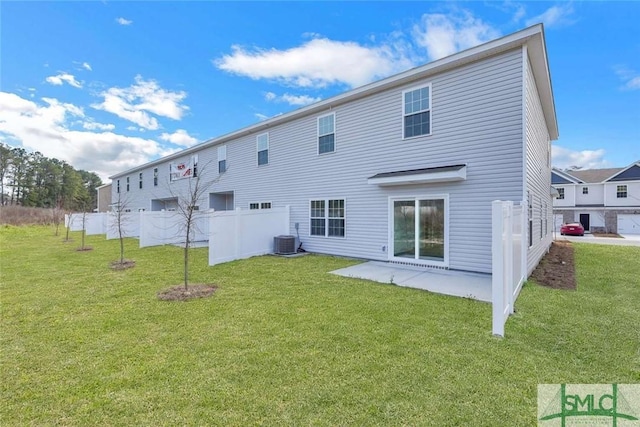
x: 574, y: 229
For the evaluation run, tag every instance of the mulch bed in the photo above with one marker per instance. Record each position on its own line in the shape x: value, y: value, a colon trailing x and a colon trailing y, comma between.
x: 179, y: 293
x: 607, y: 235
x: 557, y: 268
x: 85, y: 249
x: 127, y: 263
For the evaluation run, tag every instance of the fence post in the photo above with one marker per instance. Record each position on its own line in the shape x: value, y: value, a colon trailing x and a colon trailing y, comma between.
x: 497, y: 267
x: 508, y: 256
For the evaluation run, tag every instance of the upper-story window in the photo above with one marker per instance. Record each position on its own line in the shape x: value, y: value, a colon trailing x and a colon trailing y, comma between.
x: 416, y: 110
x: 127, y: 183
x: 621, y: 191
x: 118, y: 186
x: 262, y: 145
x: 327, y: 133
x: 155, y: 177
x: 560, y: 193
x: 140, y: 180
x: 585, y: 190
x: 222, y: 159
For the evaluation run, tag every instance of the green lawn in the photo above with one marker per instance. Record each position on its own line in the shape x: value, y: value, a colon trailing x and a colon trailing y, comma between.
x: 282, y: 342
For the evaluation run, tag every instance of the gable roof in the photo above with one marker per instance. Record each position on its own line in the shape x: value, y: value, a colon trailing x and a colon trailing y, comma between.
x: 630, y: 173
x: 532, y: 37
x: 559, y: 177
x: 593, y: 176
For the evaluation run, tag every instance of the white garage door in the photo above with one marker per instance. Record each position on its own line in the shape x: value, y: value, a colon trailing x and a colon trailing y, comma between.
x: 628, y: 223
x: 557, y: 222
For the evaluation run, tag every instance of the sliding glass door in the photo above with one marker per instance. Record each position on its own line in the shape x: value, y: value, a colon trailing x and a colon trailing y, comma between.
x: 419, y: 229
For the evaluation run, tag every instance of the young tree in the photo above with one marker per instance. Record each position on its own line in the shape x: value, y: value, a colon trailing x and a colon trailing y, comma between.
x: 57, y: 214
x: 188, y: 208
x: 83, y: 201
x: 119, y: 224
x: 70, y: 217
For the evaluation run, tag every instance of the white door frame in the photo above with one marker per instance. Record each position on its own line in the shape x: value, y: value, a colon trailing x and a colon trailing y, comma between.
x: 390, y: 222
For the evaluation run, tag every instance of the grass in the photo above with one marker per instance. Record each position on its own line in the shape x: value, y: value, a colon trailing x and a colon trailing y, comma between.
x: 282, y: 342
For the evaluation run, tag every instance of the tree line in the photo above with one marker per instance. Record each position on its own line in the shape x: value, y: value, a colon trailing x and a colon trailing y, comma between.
x: 31, y: 179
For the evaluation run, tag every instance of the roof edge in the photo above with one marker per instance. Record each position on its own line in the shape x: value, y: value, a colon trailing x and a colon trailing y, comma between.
x: 510, y: 41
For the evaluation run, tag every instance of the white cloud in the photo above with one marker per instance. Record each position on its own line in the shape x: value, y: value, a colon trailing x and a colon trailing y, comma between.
x: 91, y: 125
x: 261, y: 117
x: 630, y: 78
x: 321, y: 62
x: 564, y: 158
x: 137, y: 102
x: 87, y: 66
x: 291, y: 99
x: 316, y: 63
x: 123, y: 21
x: 442, y: 35
x: 179, y: 137
x: 555, y: 16
x: 64, y: 77
x: 45, y: 127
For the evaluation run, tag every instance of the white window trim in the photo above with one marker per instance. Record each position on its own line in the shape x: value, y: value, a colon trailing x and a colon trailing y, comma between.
x: 260, y: 205
x: 335, y: 135
x: 222, y: 149
x: 326, y: 217
x: 626, y: 191
x: 430, y: 111
x: 415, y: 198
x: 258, y: 148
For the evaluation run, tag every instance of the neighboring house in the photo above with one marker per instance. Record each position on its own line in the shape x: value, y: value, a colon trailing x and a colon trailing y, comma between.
x: 403, y: 169
x: 104, y: 198
x: 602, y: 200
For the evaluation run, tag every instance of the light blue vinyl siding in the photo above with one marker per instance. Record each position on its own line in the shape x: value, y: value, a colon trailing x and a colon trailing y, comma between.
x: 475, y: 118
x: 538, y: 170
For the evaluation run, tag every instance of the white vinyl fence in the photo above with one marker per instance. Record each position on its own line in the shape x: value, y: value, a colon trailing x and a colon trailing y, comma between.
x: 168, y: 228
x: 130, y: 223
x: 95, y: 223
x: 245, y: 233
x: 509, y: 258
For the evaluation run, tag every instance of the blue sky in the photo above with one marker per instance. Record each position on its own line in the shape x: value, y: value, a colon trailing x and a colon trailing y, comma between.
x: 109, y: 85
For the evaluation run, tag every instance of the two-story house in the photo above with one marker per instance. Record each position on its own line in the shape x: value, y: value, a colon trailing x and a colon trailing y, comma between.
x: 403, y: 169
x: 602, y: 200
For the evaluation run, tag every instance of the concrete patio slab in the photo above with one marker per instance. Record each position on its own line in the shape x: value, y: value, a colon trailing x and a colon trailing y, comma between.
x: 460, y: 284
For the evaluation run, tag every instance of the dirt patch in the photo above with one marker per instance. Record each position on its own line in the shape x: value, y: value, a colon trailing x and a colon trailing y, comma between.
x: 127, y: 263
x: 607, y: 235
x: 85, y: 249
x: 179, y: 293
x: 557, y: 268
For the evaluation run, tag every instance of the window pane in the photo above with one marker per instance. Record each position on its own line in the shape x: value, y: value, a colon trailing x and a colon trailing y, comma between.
x: 263, y: 157
x: 317, y: 227
x: 326, y: 144
x: 265, y: 205
x: 254, y: 206
x: 404, y: 228
x: 222, y: 166
x: 317, y: 208
x: 325, y: 125
x: 336, y: 227
x: 417, y: 124
x: 431, y: 228
x: 336, y: 208
x: 263, y: 142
